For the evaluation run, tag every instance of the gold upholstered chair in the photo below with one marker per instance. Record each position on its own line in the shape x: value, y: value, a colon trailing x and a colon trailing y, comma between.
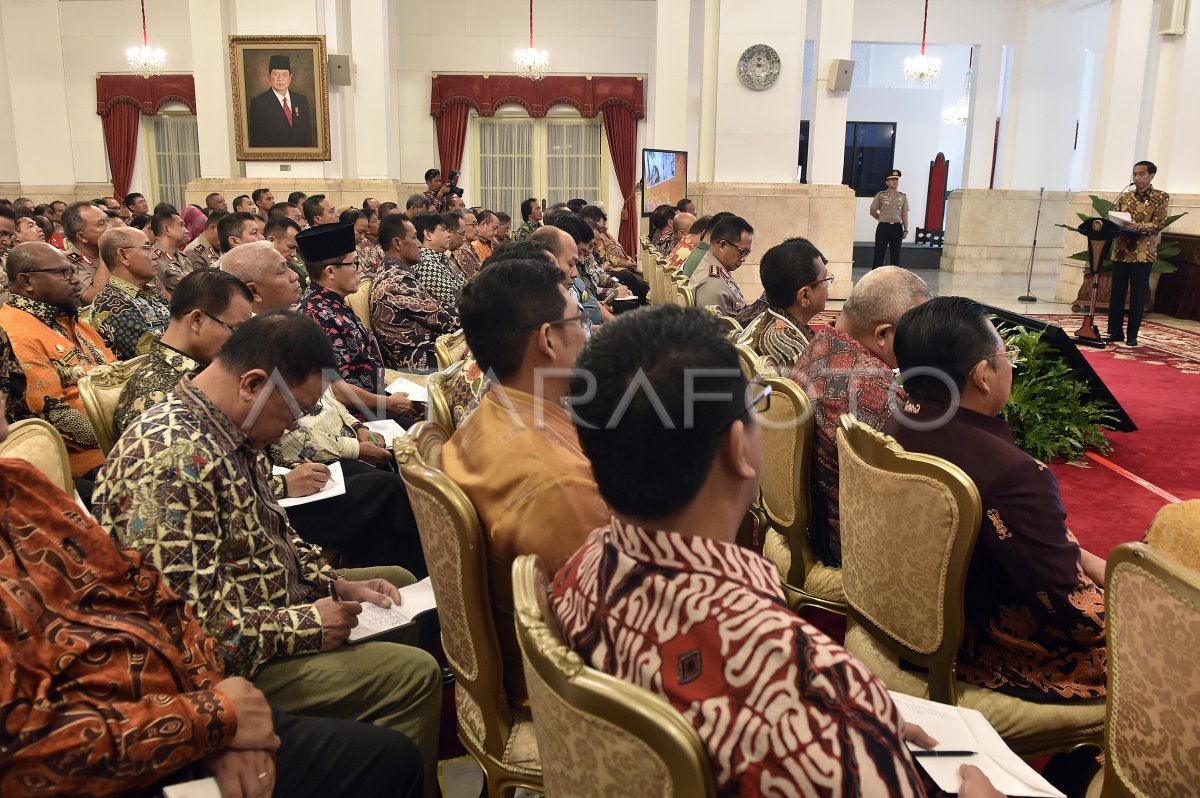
x: 498, y: 735
x: 426, y: 439
x: 748, y: 359
x: 1175, y: 531
x: 99, y: 391
x: 450, y: 348
x: 38, y: 443
x: 600, y: 736
x: 360, y: 301
x: 732, y: 327
x: 786, y: 503
x: 1151, y: 734
x: 438, y: 409
x: 909, y: 523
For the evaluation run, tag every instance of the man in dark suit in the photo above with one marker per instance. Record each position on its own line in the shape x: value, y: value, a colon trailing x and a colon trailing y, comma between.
x: 280, y: 117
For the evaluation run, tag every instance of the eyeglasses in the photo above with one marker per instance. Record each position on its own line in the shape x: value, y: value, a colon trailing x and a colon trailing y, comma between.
x: 1012, y: 354
x: 66, y: 272
x: 356, y: 263
x: 147, y: 246
x: 758, y: 400
x: 826, y: 281
x: 580, y: 318
x: 743, y: 251
x: 232, y: 329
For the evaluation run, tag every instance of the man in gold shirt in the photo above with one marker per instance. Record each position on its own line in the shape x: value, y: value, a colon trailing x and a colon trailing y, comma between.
x: 517, y: 455
x: 1134, y: 251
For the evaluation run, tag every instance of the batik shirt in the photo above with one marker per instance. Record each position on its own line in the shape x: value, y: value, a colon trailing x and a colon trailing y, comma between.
x: 406, y: 319
x: 129, y: 318
x: 679, y: 254
x: 326, y: 433
x: 714, y: 285
x: 525, y: 230
x: 666, y: 242
x: 12, y: 380
x: 483, y: 250
x: 153, y: 381
x: 1034, y: 620
x: 184, y: 486
x: 55, y: 349
x: 778, y: 340
x: 436, y: 203
x: 781, y: 708
x: 1149, y: 212
x: 171, y: 268
x: 358, y: 356
x: 752, y: 311
x: 114, y: 688
x: 466, y: 259
x: 840, y: 376
x: 440, y: 279
x: 611, y: 253
x: 369, y: 257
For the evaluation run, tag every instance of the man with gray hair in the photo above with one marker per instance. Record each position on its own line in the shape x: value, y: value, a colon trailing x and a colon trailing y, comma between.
x: 847, y: 368
x: 416, y: 205
x: 259, y: 265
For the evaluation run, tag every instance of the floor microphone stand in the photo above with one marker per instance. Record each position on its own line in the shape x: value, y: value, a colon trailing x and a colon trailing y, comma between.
x: 1028, y: 295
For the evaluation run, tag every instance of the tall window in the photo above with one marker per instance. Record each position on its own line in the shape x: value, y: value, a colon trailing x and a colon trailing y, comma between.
x: 870, y: 151
x: 554, y: 159
x: 175, y: 150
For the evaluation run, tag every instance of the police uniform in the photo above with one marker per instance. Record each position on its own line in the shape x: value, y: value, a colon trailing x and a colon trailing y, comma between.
x: 171, y: 269
x: 201, y: 253
x: 891, y: 229
x: 712, y: 284
x: 85, y: 266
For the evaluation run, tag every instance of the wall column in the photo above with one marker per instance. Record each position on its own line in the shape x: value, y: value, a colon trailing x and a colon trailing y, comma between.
x: 985, y: 108
x: 1177, y: 118
x: 827, y: 130
x: 1130, y: 26
x: 708, y: 91
x: 668, y: 106
x: 375, y: 131
x: 209, y: 20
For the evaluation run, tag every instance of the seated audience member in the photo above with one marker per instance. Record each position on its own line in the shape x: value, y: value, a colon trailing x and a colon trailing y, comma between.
x: 847, y: 368
x: 563, y: 248
x: 83, y: 224
x: 54, y: 347
x: 702, y: 228
x: 687, y: 241
x: 434, y: 271
x: 577, y: 205
x: 370, y: 204
x: 662, y: 234
x: 237, y: 228
x: 681, y: 225
x: 193, y: 219
x: 205, y: 249
x: 416, y: 205
x: 465, y: 258
x: 28, y: 229
x: 730, y: 240
x: 455, y: 203
x: 130, y: 313
x: 148, y: 705
x: 187, y: 486
x: 486, y: 223
x: 170, y: 237
x: 405, y: 317
x: 662, y: 596
x: 137, y: 204
x: 243, y: 204
x: 685, y: 205
x: 297, y: 198
x: 259, y: 265
x: 531, y: 219
x: 517, y: 455
x: 263, y: 199
x: 281, y: 231
x: 215, y: 202
x: 609, y: 251
x: 369, y: 254
x: 1034, y: 601
x: 796, y: 283
x: 455, y: 240
x: 318, y: 210
x: 289, y: 210
x: 503, y: 228
x: 600, y: 286
x: 332, y: 258
x: 386, y: 208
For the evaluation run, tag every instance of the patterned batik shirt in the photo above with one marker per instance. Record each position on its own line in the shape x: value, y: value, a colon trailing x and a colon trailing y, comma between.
x: 12, y: 380
x: 752, y: 311
x: 171, y: 268
x: 326, y: 433
x: 778, y: 339
x: 667, y: 241
x: 436, y: 203
x: 370, y: 255
x: 483, y: 249
x: 184, y: 486
x: 466, y: 259
x: 358, y: 357
x: 55, y: 349
x: 1034, y: 620
x: 525, y: 230
x: 840, y: 376
x: 781, y: 708
x: 1149, y: 212
x: 130, y: 319
x: 153, y: 381
x: 679, y: 254
x: 114, y: 686
x: 406, y: 319
x: 440, y: 279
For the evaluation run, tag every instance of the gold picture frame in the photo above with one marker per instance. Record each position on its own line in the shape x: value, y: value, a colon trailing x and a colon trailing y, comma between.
x: 265, y: 127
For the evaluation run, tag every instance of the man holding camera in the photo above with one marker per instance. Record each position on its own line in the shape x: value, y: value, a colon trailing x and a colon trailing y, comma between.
x: 438, y: 192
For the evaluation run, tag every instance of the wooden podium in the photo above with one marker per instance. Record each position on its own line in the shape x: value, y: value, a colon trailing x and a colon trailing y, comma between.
x: 1100, y: 234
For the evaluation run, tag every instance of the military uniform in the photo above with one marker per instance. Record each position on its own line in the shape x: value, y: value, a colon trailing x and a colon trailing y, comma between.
x: 171, y: 268
x: 712, y: 284
x: 201, y: 254
x: 892, y: 208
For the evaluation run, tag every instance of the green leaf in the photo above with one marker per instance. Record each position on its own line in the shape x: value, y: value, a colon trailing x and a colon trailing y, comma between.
x: 1172, y: 219
x: 1101, y: 205
x: 1161, y: 266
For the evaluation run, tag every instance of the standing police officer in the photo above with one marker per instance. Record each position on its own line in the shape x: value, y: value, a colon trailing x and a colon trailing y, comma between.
x: 890, y: 207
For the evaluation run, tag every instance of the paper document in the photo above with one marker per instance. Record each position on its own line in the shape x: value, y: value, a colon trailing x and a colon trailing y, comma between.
x: 415, y: 391
x: 1120, y: 217
x: 336, y: 486
x: 200, y: 788
x: 386, y: 429
x: 962, y: 729
x: 375, y: 620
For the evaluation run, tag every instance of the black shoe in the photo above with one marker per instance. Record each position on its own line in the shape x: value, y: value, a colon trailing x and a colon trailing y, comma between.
x: 1114, y: 339
x: 1132, y: 342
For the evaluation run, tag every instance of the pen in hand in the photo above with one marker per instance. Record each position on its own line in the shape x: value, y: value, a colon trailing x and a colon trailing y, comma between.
x: 333, y: 594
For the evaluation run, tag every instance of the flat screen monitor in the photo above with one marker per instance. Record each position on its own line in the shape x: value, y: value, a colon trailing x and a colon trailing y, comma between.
x: 664, y: 178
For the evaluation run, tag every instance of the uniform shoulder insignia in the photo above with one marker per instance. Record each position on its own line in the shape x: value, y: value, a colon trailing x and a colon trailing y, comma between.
x: 74, y: 256
x: 714, y: 271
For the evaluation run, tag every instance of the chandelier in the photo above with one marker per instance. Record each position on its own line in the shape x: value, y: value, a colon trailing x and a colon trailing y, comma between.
x: 531, y: 63
x: 958, y: 113
x: 146, y: 60
x: 920, y: 70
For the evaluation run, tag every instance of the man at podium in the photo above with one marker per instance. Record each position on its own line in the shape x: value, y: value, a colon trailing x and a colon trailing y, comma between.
x: 1134, y: 252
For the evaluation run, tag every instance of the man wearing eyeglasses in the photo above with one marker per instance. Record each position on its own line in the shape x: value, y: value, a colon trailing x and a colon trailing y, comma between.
x: 130, y: 314
x: 83, y: 224
x: 796, y: 283
x: 54, y: 347
x: 712, y: 282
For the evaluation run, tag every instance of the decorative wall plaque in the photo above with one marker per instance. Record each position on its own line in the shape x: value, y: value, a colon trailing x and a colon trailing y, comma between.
x: 758, y: 68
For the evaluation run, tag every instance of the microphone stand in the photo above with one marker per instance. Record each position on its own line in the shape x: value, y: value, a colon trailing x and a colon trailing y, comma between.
x: 1028, y: 295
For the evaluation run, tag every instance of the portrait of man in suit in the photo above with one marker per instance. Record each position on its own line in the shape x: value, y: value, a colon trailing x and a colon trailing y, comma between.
x: 281, y: 117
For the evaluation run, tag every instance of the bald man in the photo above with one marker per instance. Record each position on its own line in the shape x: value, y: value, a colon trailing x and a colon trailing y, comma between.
x: 129, y: 312
x: 259, y: 265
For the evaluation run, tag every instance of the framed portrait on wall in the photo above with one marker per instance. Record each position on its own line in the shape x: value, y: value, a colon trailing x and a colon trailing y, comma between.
x: 280, y: 97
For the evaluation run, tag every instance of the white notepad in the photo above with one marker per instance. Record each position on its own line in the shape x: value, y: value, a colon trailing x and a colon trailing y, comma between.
x: 962, y: 729
x: 416, y: 392
x: 386, y: 429
x: 375, y: 620
x: 336, y: 486
x: 200, y: 788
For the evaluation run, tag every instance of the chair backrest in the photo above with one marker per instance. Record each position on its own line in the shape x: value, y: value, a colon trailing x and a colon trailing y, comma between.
x: 360, y: 301
x: 787, y: 441
x: 908, y: 525
x: 426, y: 439
x: 732, y: 326
x: 455, y: 552
x: 1175, y: 531
x: 437, y: 409
x: 587, y: 721
x: 37, y: 442
x: 450, y: 348
x: 685, y: 296
x: 749, y: 360
x: 1151, y: 737
x: 99, y: 391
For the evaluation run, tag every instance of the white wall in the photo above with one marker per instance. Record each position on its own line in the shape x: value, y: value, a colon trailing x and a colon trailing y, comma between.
x: 9, y: 173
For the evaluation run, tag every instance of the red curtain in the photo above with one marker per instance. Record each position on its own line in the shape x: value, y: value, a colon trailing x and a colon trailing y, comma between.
x: 620, y: 125
x: 120, y: 137
x: 452, y: 136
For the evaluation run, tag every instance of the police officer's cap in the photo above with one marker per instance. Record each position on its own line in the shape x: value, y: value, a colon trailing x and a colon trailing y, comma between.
x: 894, y: 173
